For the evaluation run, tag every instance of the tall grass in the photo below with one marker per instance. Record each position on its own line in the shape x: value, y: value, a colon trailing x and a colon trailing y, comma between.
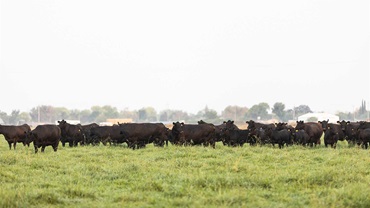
x: 115, y: 176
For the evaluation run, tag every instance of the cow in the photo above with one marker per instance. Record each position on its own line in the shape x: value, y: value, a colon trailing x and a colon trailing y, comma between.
x: 45, y: 135
x: 221, y: 127
x: 313, y: 129
x: 14, y: 134
x: 363, y: 137
x: 300, y: 137
x: 350, y: 130
x: 106, y: 134
x: 235, y: 137
x: 86, y: 131
x: 252, y: 125
x: 280, y: 137
x: 195, y: 134
x: 137, y: 135
x: 332, y: 133
x: 73, y: 134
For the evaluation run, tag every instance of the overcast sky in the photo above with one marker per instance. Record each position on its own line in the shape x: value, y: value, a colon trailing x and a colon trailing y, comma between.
x: 184, y: 55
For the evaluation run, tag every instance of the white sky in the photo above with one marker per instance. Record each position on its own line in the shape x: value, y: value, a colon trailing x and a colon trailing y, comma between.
x: 184, y: 55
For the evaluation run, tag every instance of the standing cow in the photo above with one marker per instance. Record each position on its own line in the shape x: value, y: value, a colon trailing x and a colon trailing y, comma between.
x: 45, y: 135
x: 14, y: 134
x: 73, y: 134
x: 313, y: 129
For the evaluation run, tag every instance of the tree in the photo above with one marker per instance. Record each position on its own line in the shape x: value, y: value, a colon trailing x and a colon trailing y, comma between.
x: 4, y: 116
x: 235, y: 113
x: 258, y: 111
x: 278, y: 109
x: 147, y: 114
x: 44, y: 112
x: 14, y: 117
x: 302, y: 109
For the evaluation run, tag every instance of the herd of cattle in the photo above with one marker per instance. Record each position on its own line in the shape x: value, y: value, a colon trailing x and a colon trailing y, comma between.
x: 138, y: 135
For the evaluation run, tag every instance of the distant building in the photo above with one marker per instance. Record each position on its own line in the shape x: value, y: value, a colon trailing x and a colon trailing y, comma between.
x: 320, y: 117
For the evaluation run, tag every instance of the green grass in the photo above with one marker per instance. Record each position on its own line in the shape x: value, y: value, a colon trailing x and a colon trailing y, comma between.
x: 104, y: 176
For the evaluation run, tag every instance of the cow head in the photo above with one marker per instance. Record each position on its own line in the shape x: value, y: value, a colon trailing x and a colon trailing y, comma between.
x: 281, y: 126
x: 250, y: 124
x: 300, y: 125
x: 343, y: 124
x: 324, y: 124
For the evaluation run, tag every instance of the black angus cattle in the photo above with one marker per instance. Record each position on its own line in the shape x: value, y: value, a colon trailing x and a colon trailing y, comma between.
x: 258, y: 129
x: 176, y: 135
x: 14, y: 134
x: 313, y: 129
x: 194, y: 134
x: 300, y: 137
x: 236, y: 137
x: 335, y: 129
x: 330, y: 137
x: 138, y: 135
x: 106, y: 134
x: 350, y: 130
x: 86, y: 130
x: 72, y: 134
x: 363, y: 137
x: 364, y: 125
x: 280, y: 137
x: 252, y: 125
x: 45, y: 135
x: 219, y: 128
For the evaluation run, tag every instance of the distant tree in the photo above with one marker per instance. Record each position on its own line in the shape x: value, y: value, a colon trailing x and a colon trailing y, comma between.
x: 147, y: 114
x: 301, y: 110
x: 44, y: 112
x: 278, y: 109
x: 14, y: 117
x: 258, y: 111
x: 24, y: 117
x: 4, y: 117
x: 126, y: 113
x: 345, y: 116
x: 235, y: 113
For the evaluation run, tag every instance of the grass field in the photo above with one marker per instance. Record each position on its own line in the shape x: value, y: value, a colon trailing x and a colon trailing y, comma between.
x: 104, y: 176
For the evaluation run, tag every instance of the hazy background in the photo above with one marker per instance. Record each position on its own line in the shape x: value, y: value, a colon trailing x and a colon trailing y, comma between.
x: 184, y: 55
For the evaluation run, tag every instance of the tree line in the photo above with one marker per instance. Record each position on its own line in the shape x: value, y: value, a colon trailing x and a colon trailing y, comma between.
x: 97, y: 114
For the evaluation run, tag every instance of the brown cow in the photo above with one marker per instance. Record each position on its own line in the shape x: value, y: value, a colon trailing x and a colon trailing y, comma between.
x: 45, y: 135
x: 14, y: 134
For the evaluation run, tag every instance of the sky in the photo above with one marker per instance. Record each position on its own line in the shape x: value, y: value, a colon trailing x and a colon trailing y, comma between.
x: 184, y: 55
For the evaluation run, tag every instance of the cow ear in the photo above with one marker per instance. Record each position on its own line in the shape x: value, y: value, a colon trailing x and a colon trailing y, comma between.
x: 58, y: 121
x: 338, y: 121
x: 232, y: 122
x: 182, y: 123
x: 327, y: 120
x: 224, y: 121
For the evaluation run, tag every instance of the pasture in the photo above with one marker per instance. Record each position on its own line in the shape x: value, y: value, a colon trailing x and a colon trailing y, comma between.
x: 115, y: 176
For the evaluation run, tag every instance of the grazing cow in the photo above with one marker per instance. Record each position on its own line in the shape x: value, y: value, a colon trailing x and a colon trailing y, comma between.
x: 86, y: 130
x: 45, y: 135
x: 195, y: 134
x: 106, y: 134
x: 313, y: 129
x: 300, y: 137
x: 73, y: 134
x: 137, y: 135
x: 350, y: 130
x: 14, y: 134
x: 364, y: 137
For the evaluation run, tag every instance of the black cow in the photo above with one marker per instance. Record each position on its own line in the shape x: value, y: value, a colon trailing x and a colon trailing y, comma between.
x: 72, y: 134
x: 300, y: 137
x: 364, y: 137
x: 235, y: 137
x: 313, y: 129
x: 252, y: 125
x: 280, y: 137
x: 86, y: 130
x: 335, y: 129
x: 106, y: 134
x: 195, y: 134
x: 350, y: 130
x: 14, y: 134
x: 45, y: 135
x: 137, y: 135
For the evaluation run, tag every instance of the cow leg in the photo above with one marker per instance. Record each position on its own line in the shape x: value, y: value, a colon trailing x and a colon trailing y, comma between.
x: 14, y: 144
x: 55, y: 147
x: 36, y: 148
x: 43, y: 148
x: 63, y: 144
